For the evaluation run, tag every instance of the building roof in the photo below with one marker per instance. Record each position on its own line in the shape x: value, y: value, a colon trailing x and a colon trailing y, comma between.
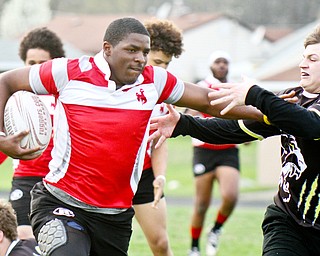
x: 193, y: 20
x: 276, y: 33
x: 285, y: 55
x: 86, y: 31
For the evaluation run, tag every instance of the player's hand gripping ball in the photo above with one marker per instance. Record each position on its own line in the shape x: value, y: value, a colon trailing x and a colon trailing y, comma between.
x: 25, y: 111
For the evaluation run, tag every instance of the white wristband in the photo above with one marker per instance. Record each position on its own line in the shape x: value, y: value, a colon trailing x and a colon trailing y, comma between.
x: 3, y: 134
x: 161, y: 177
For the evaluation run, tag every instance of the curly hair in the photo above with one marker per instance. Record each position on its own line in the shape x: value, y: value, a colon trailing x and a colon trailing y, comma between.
x: 165, y: 36
x: 8, y: 221
x: 44, y: 39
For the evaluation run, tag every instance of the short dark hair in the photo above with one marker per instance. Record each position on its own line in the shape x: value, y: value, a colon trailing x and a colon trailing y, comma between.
x: 165, y: 37
x: 41, y: 38
x: 121, y: 28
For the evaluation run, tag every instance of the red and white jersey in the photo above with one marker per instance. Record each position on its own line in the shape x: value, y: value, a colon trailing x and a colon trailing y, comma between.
x: 213, y: 83
x: 100, y: 133
x: 40, y: 166
x: 159, y: 110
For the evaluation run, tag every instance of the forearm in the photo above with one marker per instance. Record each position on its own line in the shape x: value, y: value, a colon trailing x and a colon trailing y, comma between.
x: 291, y: 118
x: 211, y: 130
x: 159, y: 159
x: 197, y: 98
x: 239, y: 112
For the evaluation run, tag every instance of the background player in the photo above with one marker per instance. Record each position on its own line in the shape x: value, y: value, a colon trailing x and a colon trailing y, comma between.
x: 38, y: 46
x: 10, y: 244
x: 165, y: 43
x: 212, y: 162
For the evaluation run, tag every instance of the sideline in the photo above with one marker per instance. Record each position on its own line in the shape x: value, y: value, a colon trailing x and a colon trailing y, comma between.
x: 246, y: 199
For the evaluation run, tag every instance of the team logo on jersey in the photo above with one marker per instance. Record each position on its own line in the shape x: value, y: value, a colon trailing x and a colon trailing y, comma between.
x: 63, y: 212
x: 141, y: 97
x: 16, y: 194
x: 293, y: 166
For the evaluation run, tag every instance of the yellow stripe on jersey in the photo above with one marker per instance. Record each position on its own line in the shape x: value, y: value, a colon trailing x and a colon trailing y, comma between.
x: 266, y: 120
x: 247, y: 131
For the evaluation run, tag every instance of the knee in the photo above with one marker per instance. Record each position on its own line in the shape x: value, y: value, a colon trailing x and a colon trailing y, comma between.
x: 230, y: 198
x: 160, y: 246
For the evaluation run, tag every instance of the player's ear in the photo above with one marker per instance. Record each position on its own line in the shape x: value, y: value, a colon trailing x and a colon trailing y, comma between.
x: 107, y: 48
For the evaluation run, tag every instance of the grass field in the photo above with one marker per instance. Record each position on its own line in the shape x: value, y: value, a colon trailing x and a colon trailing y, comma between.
x: 179, y: 173
x: 242, y: 235
x: 5, y: 175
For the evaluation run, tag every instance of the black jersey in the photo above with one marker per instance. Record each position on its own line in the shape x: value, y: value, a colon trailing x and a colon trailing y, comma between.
x: 299, y: 127
x: 25, y: 247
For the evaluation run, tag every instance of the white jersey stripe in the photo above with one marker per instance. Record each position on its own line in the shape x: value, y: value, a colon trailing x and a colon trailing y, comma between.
x: 62, y: 146
x: 138, y: 166
x: 60, y: 72
x: 91, y: 95
x: 34, y: 79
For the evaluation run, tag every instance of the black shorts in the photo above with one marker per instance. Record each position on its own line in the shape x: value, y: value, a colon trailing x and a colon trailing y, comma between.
x: 87, y: 233
x: 145, y: 192
x: 207, y: 160
x: 20, y: 197
x: 283, y: 236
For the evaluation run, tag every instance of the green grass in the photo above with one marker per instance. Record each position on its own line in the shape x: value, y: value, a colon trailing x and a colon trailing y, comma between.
x: 179, y: 173
x: 241, y: 235
x: 6, y: 172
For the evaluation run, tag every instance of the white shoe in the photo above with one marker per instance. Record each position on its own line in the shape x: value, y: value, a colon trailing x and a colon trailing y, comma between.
x: 212, y: 243
x: 194, y: 252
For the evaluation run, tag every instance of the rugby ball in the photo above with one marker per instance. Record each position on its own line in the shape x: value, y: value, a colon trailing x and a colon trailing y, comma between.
x: 25, y: 111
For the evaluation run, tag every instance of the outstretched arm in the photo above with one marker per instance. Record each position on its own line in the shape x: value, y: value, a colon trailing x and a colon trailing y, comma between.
x: 211, y: 130
x: 197, y: 98
x: 291, y: 118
